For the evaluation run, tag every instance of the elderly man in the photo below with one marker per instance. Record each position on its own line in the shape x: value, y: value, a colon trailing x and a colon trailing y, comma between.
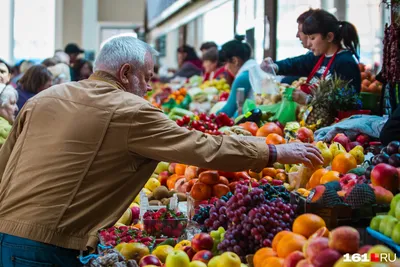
x: 79, y: 153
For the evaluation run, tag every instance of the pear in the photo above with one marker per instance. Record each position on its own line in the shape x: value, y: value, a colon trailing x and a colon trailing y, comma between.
x: 326, y: 153
x: 358, y: 153
x: 336, y: 149
x: 162, y: 166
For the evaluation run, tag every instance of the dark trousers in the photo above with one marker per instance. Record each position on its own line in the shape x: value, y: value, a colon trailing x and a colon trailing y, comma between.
x: 21, y: 252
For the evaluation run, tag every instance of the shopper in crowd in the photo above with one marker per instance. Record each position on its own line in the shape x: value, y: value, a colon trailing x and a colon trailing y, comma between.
x: 85, y: 149
x: 61, y: 57
x: 35, y: 80
x: 188, y: 62
x: 211, y: 65
x: 8, y: 111
x: 60, y: 73
x: 81, y: 70
x: 336, y: 47
x: 238, y: 62
x: 208, y: 45
x: 5, y: 72
x: 48, y: 62
x: 73, y: 51
x: 22, y: 67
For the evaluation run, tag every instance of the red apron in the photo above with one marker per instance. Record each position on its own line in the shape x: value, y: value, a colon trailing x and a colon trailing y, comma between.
x: 306, y: 88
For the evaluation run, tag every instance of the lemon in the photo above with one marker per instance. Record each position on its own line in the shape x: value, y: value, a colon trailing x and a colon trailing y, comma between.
x: 152, y: 184
x: 161, y: 252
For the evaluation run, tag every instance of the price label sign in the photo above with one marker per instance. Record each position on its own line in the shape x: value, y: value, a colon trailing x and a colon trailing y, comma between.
x: 373, y: 257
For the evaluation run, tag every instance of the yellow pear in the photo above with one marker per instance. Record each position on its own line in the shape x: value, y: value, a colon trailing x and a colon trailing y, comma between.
x: 326, y: 153
x: 336, y: 149
x: 358, y: 153
x: 152, y: 184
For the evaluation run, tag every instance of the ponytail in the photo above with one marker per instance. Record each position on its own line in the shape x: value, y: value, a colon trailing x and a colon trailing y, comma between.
x: 349, y: 37
x: 323, y: 22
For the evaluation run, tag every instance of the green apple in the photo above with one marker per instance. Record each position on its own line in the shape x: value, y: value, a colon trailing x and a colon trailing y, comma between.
x: 394, y: 202
x: 162, y: 166
x: 177, y: 258
x: 214, y: 261
x: 392, y: 213
x: 376, y: 221
x: 387, y: 225
x: 397, y: 210
x: 229, y: 259
x: 197, y: 264
x: 396, y: 234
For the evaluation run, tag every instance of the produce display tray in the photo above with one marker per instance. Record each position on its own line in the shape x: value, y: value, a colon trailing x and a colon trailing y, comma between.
x: 341, y: 214
x: 384, y: 239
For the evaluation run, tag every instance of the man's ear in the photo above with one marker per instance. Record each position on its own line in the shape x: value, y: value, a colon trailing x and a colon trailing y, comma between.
x: 124, y: 72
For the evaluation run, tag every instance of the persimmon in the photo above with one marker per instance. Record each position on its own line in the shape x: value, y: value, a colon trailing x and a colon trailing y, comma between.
x: 275, y: 139
x: 250, y: 126
x: 269, y: 128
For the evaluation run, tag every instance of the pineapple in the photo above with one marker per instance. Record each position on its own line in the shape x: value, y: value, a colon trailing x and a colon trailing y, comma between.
x: 320, y: 112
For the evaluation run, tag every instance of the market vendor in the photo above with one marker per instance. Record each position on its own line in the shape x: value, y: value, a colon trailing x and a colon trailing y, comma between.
x: 188, y: 62
x: 213, y: 69
x: 8, y: 110
x: 336, y: 47
x: 80, y: 152
x: 237, y: 57
x: 304, y: 42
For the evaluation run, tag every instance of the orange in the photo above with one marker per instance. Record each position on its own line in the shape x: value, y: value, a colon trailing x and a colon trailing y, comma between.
x: 272, y: 261
x: 180, y: 169
x: 321, y: 232
x: 343, y: 163
x: 278, y: 238
x: 261, y: 255
x: 269, y: 172
x: 250, y: 126
x: 172, y: 180
x: 139, y: 226
x: 329, y: 177
x: 290, y: 243
x: 275, y: 139
x: 281, y: 176
x: 307, y: 224
x: 269, y: 128
x: 315, y: 178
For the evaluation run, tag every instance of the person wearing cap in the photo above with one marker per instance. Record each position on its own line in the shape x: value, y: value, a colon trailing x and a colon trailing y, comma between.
x: 73, y: 51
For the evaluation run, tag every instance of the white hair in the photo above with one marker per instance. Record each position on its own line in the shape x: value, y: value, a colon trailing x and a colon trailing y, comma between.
x: 6, y: 92
x: 122, y: 49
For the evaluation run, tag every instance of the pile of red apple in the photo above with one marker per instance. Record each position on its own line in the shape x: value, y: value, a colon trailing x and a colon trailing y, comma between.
x: 124, y: 234
x: 385, y: 168
x: 206, y: 124
x: 348, y: 144
x: 164, y: 222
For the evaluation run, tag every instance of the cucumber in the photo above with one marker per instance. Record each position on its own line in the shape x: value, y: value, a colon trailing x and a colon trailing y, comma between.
x: 181, y: 112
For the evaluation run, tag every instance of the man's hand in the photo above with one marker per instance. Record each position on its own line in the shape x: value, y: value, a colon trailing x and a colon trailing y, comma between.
x: 299, y: 97
x: 294, y: 153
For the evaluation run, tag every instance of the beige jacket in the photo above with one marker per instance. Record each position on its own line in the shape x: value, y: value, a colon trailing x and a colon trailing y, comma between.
x: 80, y: 152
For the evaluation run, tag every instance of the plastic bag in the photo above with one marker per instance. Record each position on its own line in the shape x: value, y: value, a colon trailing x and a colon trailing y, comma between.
x: 300, y: 178
x: 287, y: 108
x: 263, y: 83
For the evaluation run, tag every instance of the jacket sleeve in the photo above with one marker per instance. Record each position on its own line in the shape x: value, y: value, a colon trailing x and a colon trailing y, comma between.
x: 391, y: 129
x: 297, y: 66
x: 7, y: 147
x: 241, y: 81
x: 153, y: 135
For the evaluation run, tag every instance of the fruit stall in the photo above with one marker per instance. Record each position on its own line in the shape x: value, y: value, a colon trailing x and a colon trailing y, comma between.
x: 343, y: 213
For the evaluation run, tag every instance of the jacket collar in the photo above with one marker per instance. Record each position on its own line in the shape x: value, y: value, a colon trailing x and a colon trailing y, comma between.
x: 108, y: 78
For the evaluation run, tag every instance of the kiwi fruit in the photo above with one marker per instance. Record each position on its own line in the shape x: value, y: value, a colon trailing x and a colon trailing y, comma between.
x: 155, y: 203
x: 172, y: 192
x: 181, y: 197
x: 165, y: 201
x: 160, y: 193
x: 150, y: 197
